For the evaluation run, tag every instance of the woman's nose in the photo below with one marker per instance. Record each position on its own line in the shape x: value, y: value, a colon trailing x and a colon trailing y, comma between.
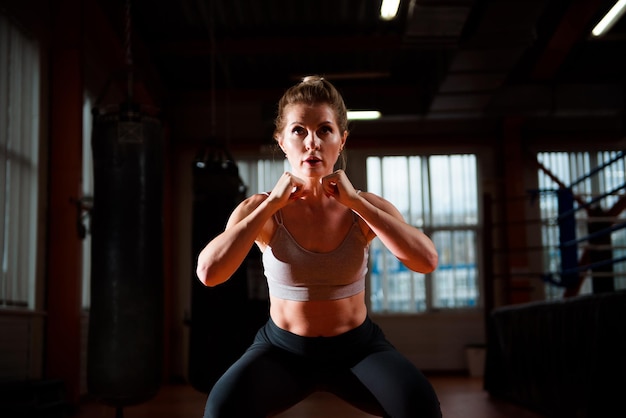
x: 312, y: 141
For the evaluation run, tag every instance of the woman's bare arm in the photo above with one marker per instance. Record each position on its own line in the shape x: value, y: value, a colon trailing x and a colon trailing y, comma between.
x: 221, y: 257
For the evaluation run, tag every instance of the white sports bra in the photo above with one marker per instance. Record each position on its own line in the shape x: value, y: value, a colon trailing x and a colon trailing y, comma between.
x: 295, y: 273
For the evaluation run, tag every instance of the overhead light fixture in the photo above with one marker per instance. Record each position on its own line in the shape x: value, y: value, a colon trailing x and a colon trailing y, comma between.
x: 389, y: 9
x: 363, y: 114
x: 610, y: 18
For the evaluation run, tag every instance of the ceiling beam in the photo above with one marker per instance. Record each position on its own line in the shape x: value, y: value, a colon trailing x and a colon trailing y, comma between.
x: 571, y: 29
x: 282, y: 45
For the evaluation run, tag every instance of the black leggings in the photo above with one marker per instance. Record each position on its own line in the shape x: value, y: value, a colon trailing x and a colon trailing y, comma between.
x: 360, y: 366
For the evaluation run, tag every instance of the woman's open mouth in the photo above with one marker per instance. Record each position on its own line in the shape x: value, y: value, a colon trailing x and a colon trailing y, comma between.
x: 313, y: 161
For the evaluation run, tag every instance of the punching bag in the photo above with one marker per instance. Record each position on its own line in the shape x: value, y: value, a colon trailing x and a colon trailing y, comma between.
x: 124, y: 360
x: 220, y: 323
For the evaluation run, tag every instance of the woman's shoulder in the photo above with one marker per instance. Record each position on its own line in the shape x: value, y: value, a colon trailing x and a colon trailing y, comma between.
x: 250, y: 203
x: 257, y: 197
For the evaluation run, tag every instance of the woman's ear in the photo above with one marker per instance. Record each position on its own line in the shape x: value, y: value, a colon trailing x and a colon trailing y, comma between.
x: 344, y: 138
x: 279, y: 143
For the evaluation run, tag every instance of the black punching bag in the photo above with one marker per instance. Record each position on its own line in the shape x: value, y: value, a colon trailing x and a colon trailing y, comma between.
x: 219, y: 330
x: 124, y: 360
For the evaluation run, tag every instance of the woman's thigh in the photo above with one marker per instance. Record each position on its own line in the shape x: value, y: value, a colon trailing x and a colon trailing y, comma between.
x: 400, y: 388
x: 263, y: 382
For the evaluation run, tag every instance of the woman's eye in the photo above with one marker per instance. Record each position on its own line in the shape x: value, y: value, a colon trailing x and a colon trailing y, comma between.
x: 326, y: 129
x: 298, y: 130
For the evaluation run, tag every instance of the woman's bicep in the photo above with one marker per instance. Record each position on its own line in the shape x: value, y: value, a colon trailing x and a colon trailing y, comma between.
x: 244, y: 209
x: 380, y: 204
x: 384, y: 205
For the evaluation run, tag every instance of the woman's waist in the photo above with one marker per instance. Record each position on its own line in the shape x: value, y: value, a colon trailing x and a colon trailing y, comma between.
x: 319, y: 318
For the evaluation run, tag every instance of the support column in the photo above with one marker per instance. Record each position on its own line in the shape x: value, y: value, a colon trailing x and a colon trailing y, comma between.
x: 518, y: 287
x: 63, y: 281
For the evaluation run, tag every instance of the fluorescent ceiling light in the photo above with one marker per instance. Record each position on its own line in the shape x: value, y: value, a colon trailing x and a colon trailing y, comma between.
x: 389, y: 9
x: 363, y: 114
x: 610, y: 18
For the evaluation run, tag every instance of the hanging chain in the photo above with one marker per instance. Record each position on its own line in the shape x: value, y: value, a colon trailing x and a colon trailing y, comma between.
x: 213, y: 68
x: 129, y: 56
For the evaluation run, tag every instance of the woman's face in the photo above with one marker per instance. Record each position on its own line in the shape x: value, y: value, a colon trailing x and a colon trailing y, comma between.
x: 311, y: 139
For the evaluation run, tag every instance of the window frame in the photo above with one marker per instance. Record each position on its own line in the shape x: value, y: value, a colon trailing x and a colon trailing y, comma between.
x: 430, y: 228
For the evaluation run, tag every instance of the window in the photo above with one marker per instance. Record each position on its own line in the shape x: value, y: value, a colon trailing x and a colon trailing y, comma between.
x: 596, y: 178
x: 437, y: 194
x: 19, y: 165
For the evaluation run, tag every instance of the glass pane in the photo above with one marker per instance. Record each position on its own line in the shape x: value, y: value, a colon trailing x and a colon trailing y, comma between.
x: 19, y: 165
x: 454, y: 189
x: 418, y: 195
x: 87, y: 190
x: 374, y: 175
x: 455, y: 279
x: 395, y: 179
x: 393, y: 287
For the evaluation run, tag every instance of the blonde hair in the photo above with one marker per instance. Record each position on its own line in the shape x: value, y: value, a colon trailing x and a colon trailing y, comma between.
x: 312, y: 90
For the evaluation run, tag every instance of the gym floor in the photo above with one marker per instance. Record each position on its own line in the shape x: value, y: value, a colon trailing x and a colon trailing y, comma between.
x: 460, y: 397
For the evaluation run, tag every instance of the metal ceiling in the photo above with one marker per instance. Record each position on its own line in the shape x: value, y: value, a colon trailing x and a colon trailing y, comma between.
x: 440, y: 60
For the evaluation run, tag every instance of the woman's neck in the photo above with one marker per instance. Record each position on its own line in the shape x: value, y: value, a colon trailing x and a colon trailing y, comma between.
x: 314, y: 190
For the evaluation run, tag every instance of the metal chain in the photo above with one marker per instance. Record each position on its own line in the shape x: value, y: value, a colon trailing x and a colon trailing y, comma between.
x: 129, y: 57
